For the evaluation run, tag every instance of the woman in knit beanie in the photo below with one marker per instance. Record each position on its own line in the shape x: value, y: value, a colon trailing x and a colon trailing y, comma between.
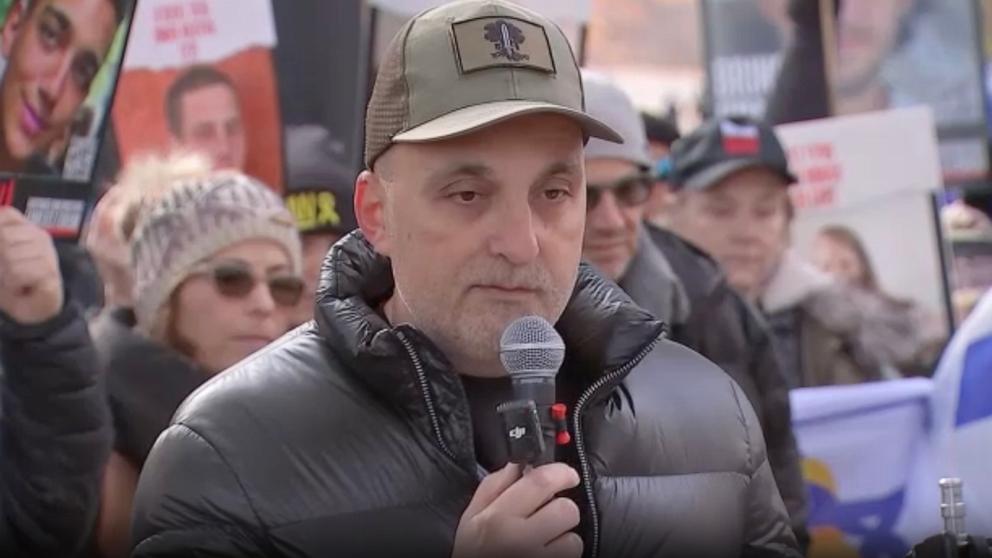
x: 108, y: 234
x: 217, y: 275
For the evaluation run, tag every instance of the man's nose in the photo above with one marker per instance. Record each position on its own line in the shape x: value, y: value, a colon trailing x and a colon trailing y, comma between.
x: 606, y: 214
x: 53, y: 84
x: 515, y: 237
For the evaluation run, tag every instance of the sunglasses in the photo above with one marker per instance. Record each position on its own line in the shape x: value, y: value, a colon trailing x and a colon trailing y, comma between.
x: 629, y: 191
x: 236, y: 280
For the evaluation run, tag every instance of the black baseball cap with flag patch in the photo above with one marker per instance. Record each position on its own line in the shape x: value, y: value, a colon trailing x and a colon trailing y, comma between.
x: 465, y: 65
x: 723, y: 146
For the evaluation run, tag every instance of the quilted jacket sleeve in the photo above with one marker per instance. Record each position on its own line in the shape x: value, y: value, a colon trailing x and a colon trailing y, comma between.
x: 190, y: 503
x: 55, y: 436
x: 783, y: 453
x: 767, y: 529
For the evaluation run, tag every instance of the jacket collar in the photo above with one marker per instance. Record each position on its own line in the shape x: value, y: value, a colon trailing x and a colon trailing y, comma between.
x: 602, y: 329
x: 652, y: 283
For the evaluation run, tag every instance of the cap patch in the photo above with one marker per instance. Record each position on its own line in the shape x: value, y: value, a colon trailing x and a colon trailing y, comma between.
x: 499, y: 42
x: 740, y: 139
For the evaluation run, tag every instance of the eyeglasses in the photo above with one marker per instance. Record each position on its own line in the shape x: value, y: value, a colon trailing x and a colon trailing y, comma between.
x: 629, y: 191
x: 236, y: 280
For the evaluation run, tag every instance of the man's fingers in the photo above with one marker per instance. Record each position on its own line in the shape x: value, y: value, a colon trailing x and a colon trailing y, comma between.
x: 491, y: 487
x: 556, y: 518
x: 534, y: 489
x: 568, y: 545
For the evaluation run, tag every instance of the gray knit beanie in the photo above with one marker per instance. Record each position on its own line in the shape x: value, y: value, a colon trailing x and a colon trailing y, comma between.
x: 194, y: 219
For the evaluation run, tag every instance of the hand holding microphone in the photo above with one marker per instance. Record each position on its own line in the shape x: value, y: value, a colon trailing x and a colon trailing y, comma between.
x: 516, y: 511
x: 519, y: 515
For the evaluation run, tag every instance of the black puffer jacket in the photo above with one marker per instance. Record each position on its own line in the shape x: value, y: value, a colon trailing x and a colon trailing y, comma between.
x: 353, y: 438
x: 727, y: 330
x: 54, y: 437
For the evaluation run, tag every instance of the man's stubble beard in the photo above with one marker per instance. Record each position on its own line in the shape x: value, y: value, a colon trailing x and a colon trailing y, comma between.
x: 469, y: 337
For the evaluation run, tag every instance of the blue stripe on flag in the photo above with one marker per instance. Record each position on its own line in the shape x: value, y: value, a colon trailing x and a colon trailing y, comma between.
x: 975, y: 396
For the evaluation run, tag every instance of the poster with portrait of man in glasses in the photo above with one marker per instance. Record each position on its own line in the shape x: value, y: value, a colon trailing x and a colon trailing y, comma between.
x: 59, y: 64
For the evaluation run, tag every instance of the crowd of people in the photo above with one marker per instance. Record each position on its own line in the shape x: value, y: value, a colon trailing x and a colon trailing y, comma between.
x: 245, y: 389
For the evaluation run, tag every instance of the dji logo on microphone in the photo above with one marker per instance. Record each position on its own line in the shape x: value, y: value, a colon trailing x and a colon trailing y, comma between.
x: 517, y: 432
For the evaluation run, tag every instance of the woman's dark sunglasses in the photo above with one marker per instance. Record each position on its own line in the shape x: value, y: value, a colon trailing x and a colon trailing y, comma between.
x: 236, y: 280
x: 629, y: 191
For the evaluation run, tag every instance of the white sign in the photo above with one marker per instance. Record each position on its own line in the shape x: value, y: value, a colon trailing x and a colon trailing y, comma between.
x: 873, y: 174
x: 175, y: 33
x: 852, y: 160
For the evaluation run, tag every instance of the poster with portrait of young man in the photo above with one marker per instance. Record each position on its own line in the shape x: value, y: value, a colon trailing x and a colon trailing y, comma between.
x: 59, y: 65
x: 199, y: 76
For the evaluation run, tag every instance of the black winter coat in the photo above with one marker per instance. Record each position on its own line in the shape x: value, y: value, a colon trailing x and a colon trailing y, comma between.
x: 724, y: 328
x: 54, y: 437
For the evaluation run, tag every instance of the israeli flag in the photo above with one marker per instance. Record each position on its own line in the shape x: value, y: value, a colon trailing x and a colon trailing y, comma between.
x: 962, y: 415
x: 861, y: 446
x: 874, y: 453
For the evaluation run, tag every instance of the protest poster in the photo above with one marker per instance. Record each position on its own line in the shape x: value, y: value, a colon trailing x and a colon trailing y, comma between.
x: 874, y: 56
x: 875, y: 175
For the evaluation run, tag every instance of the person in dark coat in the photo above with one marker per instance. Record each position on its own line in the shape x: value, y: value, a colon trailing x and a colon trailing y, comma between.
x: 54, y: 423
x: 680, y: 285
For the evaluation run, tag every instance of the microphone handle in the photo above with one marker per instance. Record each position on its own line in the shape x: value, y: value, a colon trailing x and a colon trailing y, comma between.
x: 542, y: 392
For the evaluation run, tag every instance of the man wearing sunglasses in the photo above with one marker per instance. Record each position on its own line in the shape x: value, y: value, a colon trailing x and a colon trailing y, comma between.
x: 374, y: 432
x: 618, y: 187
x: 680, y: 284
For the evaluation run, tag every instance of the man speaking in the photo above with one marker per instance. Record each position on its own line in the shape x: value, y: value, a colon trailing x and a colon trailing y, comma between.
x: 375, y: 431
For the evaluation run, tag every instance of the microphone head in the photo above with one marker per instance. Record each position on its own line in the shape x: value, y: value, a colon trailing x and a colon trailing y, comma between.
x: 530, y: 348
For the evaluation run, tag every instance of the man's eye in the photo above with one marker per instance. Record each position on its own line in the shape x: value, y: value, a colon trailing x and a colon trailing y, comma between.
x: 765, y: 212
x: 557, y: 188
x: 466, y: 196
x: 49, y: 35
x: 719, y: 211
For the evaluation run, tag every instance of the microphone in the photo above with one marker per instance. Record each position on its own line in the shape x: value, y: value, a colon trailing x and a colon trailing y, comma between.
x: 532, y: 352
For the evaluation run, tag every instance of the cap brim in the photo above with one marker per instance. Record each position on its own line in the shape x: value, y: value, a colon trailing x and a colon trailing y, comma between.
x: 710, y: 176
x: 470, y: 119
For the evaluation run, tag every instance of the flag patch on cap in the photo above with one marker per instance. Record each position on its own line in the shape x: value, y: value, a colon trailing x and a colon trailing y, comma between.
x: 494, y: 42
x: 740, y: 139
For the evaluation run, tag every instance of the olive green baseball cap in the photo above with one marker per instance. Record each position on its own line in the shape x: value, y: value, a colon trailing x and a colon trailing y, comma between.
x: 460, y: 67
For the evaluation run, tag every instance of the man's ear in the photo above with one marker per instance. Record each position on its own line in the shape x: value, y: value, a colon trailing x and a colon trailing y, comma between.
x: 370, y: 210
x: 11, y: 27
